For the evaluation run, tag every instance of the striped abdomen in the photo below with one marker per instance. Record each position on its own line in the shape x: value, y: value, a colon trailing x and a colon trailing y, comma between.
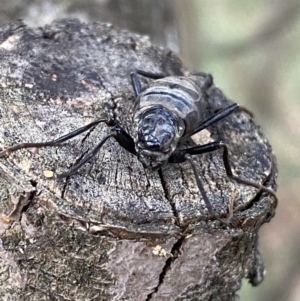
x: 179, y: 95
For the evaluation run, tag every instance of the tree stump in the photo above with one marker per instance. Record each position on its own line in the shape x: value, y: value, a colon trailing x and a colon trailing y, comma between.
x: 115, y: 230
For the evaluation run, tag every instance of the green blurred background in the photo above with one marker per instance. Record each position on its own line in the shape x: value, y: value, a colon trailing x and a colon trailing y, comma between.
x: 252, y: 49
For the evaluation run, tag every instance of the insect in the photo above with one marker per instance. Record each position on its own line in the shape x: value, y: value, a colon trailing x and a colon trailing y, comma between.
x: 166, y: 112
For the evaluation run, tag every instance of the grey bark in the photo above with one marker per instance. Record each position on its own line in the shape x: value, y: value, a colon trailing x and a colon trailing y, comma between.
x: 116, y: 231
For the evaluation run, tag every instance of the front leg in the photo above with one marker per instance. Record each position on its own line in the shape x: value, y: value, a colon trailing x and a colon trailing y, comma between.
x: 55, y: 142
x: 121, y: 136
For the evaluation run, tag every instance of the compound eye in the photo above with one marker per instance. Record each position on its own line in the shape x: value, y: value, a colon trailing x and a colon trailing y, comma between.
x: 167, y: 138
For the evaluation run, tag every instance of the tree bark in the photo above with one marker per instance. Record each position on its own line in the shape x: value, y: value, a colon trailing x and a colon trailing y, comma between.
x: 114, y: 230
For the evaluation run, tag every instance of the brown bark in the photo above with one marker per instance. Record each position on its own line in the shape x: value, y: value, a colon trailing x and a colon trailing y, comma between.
x: 115, y: 231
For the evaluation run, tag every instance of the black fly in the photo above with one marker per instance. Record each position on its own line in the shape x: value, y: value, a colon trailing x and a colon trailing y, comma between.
x: 165, y: 113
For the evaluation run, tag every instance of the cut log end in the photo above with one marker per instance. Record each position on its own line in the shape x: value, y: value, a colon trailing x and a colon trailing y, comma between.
x: 114, y: 230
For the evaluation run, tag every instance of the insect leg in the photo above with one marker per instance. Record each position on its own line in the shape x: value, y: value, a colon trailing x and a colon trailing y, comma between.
x: 87, y: 158
x: 183, y: 155
x: 150, y: 75
x: 208, y: 80
x: 136, y: 84
x: 55, y: 142
x: 122, y: 137
x: 216, y: 117
x: 208, y: 205
x: 228, y: 218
